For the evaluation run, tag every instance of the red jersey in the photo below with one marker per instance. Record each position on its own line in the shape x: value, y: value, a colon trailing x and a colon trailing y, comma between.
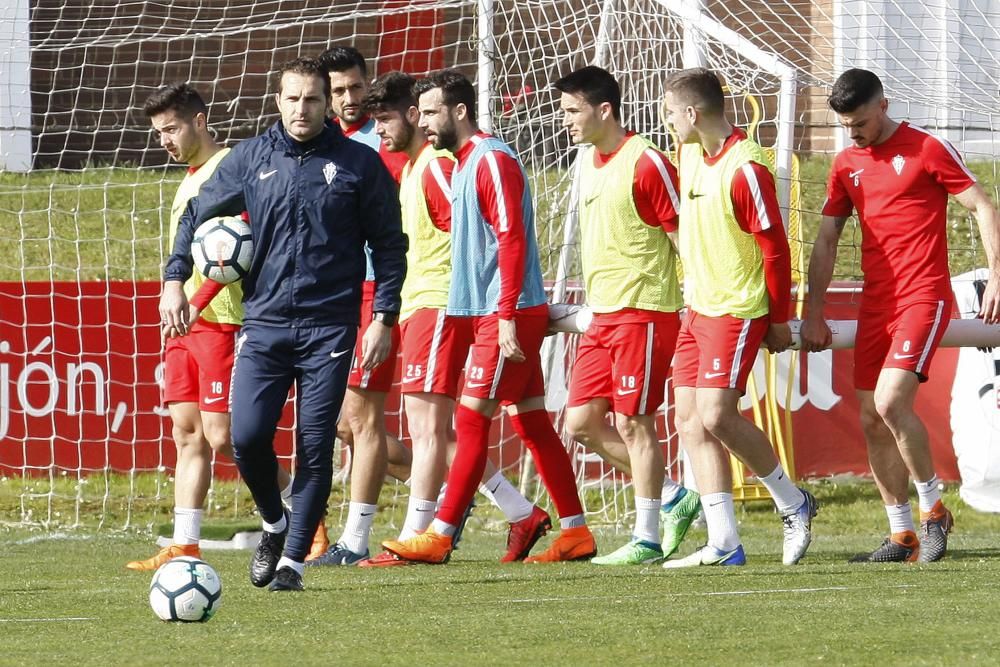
x: 900, y: 190
x: 436, y: 182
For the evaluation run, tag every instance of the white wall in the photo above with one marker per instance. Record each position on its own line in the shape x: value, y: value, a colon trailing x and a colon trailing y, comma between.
x: 939, y: 61
x: 15, y: 86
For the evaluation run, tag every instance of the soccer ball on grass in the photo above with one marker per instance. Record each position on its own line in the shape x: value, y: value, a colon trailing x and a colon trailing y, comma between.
x: 185, y: 589
x: 222, y: 248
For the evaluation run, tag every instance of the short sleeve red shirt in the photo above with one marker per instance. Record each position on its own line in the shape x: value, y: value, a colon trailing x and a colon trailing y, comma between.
x: 900, y: 189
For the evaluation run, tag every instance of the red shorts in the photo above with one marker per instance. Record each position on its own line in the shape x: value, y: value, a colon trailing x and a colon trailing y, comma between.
x: 198, y: 368
x: 717, y: 352
x: 492, y: 376
x: 625, y: 364
x: 906, y: 337
x: 435, y: 348
x: 382, y: 376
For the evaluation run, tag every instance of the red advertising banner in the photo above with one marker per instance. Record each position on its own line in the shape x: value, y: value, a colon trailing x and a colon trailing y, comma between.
x: 80, y: 369
x: 80, y: 372
x: 78, y: 376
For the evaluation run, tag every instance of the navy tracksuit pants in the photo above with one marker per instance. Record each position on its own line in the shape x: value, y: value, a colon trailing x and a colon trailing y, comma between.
x: 268, y: 360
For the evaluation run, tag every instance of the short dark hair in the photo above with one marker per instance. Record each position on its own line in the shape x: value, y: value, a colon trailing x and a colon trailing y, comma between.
x: 854, y: 88
x: 594, y: 84
x: 455, y: 89
x: 698, y: 87
x: 306, y: 67
x: 392, y: 91
x: 181, y: 98
x: 343, y: 58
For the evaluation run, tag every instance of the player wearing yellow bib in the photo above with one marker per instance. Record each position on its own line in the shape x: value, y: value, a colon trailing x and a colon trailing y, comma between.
x: 737, y: 280
x: 434, y: 345
x: 197, y: 365
x: 627, y: 208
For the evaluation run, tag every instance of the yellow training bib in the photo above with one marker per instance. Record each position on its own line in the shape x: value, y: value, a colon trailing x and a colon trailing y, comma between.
x: 227, y: 306
x: 626, y: 262
x: 428, y: 260
x: 723, y: 265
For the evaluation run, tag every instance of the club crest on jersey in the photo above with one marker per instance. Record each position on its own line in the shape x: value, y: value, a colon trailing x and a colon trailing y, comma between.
x: 330, y: 172
x: 898, y: 163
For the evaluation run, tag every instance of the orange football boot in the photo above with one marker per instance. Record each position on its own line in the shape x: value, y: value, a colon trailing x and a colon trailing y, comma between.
x: 571, y: 544
x: 163, y: 555
x: 321, y: 542
x: 427, y: 547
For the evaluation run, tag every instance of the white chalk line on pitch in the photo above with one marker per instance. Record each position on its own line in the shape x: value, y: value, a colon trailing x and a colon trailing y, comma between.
x: 48, y: 620
x: 765, y: 591
x: 56, y: 537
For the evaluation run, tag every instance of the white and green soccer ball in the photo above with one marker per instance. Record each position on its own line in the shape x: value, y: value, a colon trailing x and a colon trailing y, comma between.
x: 185, y: 589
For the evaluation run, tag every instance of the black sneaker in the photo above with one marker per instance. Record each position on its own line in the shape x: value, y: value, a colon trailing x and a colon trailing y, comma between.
x: 286, y: 579
x: 266, y: 556
x: 934, y: 531
x: 892, y: 551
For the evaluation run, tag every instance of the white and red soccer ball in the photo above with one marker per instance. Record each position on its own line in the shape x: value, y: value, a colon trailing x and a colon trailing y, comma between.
x: 222, y: 248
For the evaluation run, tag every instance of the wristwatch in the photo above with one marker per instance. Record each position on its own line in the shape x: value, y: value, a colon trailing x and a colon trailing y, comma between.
x: 388, y: 319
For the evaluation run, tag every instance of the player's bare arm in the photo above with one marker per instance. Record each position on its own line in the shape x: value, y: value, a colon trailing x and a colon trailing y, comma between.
x: 173, y: 309
x: 507, y: 337
x: 375, y: 345
x: 674, y: 240
x: 976, y: 200
x: 816, y: 334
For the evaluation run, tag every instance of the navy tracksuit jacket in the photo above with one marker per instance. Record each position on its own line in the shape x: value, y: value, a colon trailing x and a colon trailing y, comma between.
x: 312, y: 207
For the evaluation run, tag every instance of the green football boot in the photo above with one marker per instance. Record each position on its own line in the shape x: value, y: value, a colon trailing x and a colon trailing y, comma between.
x: 636, y: 552
x: 675, y: 521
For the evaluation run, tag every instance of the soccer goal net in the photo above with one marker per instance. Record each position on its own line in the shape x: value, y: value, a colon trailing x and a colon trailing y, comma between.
x: 85, y: 190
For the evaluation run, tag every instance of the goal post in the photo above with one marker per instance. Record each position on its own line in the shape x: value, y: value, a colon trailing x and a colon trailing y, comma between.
x: 698, y: 26
x: 971, y: 332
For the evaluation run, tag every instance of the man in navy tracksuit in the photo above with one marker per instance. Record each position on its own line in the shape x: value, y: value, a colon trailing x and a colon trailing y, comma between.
x: 314, y: 199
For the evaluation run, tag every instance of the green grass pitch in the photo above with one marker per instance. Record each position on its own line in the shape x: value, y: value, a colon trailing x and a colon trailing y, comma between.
x: 66, y: 598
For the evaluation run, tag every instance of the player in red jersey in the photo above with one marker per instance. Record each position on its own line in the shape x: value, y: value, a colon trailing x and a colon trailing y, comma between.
x: 628, y: 212
x: 434, y: 344
x: 362, y: 422
x: 496, y: 281
x: 898, y: 178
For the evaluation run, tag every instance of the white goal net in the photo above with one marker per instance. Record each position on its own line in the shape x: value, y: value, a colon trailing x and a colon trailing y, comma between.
x: 85, y: 190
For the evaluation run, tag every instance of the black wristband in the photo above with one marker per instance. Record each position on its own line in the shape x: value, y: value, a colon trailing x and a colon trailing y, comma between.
x: 388, y: 319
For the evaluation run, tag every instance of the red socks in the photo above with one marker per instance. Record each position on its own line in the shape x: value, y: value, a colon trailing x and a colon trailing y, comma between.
x: 473, y: 431
x: 553, y: 463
